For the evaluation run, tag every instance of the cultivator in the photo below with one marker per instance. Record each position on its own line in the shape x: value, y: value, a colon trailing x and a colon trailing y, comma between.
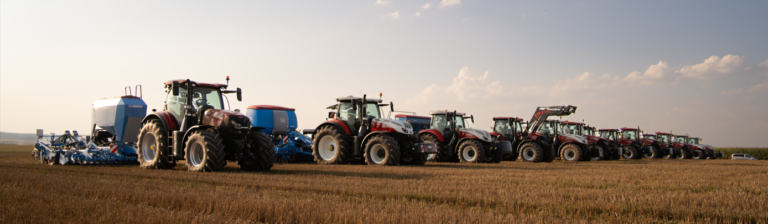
x: 116, y: 123
x: 279, y: 123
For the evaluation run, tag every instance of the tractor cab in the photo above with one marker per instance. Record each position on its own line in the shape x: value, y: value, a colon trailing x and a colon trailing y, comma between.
x: 203, y: 95
x: 508, y: 128
x: 681, y: 139
x: 693, y: 141
x: 447, y: 122
x: 349, y: 110
x: 649, y: 136
x: 610, y: 134
x: 630, y: 134
x: 664, y: 138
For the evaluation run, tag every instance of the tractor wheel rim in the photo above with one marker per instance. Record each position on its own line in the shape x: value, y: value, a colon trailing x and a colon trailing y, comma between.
x: 378, y: 154
x: 327, y: 147
x: 196, y: 154
x: 649, y: 155
x: 627, y: 154
x: 570, y: 154
x: 148, y: 147
x: 528, y: 154
x: 469, y: 154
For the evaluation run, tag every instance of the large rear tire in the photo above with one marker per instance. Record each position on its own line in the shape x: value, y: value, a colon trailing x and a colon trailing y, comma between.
x: 264, y: 151
x: 331, y: 146
x: 204, y: 152
x: 571, y: 153
x: 382, y: 150
x: 471, y: 151
x: 631, y: 152
x: 153, y: 147
x: 683, y: 154
x: 531, y: 152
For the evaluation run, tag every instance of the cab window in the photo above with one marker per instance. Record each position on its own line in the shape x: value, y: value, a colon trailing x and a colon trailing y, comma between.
x: 502, y: 127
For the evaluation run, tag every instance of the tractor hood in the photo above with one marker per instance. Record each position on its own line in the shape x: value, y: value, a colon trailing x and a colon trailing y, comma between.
x: 647, y: 141
x: 591, y: 139
x: 216, y: 118
x: 573, y: 138
x: 708, y: 147
x: 391, y: 125
x: 475, y: 133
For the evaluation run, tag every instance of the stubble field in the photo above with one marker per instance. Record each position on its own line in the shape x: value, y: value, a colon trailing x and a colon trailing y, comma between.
x: 643, y: 191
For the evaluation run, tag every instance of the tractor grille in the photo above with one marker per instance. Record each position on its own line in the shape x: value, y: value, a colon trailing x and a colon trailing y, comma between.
x: 408, y: 126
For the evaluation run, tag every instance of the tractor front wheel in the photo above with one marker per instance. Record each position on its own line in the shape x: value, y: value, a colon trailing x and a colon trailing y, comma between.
x: 654, y: 153
x: 571, y: 153
x: 204, y: 152
x: 153, y: 146
x: 471, y: 151
x: 382, y: 150
x: 531, y: 152
x: 264, y: 151
x: 683, y: 154
x: 331, y: 146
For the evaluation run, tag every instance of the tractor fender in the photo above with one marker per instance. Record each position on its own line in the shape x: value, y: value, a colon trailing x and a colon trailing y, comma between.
x: 370, y: 135
x: 169, y: 123
x: 190, y: 131
x: 336, y: 123
x: 433, y: 132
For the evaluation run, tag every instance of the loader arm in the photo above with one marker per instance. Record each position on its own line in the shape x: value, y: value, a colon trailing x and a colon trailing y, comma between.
x: 542, y: 113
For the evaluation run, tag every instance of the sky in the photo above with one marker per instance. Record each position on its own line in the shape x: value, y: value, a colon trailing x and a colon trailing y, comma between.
x: 695, y: 67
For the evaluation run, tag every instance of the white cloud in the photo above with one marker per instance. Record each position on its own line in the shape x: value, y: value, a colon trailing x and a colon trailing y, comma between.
x: 714, y: 66
x: 418, y: 14
x: 426, y: 6
x: 381, y: 2
x: 393, y: 15
x: 445, y: 3
x: 758, y: 88
x: 585, y: 81
x: 655, y: 74
x: 466, y: 86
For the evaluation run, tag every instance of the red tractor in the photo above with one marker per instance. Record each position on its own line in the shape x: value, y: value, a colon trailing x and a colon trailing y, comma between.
x: 193, y: 126
x: 458, y: 143
x: 665, y: 151
x: 630, y: 148
x: 667, y: 142
x: 686, y: 145
x: 355, y: 132
x: 508, y: 129
x: 543, y: 140
x: 601, y: 148
x: 708, y: 149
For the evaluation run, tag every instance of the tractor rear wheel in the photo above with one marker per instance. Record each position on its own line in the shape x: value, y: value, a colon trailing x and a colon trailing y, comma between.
x: 571, y: 153
x: 683, y: 154
x: 414, y: 159
x: 264, y: 151
x: 531, y: 152
x: 153, y: 146
x: 382, y: 150
x: 331, y: 146
x: 204, y: 152
x: 631, y: 152
x: 471, y: 151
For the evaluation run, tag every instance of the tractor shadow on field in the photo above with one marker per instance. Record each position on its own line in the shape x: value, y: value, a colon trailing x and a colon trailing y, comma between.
x: 378, y: 175
x: 488, y: 167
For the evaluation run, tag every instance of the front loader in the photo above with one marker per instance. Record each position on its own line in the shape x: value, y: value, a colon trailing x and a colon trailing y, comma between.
x: 543, y: 140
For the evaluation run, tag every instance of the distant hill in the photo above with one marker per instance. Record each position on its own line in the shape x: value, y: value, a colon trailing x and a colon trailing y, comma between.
x: 7, y: 138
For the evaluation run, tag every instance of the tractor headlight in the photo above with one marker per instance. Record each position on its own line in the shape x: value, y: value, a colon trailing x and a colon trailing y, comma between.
x: 237, y: 125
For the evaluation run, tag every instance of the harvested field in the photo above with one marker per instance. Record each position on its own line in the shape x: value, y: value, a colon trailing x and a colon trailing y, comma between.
x: 643, y: 191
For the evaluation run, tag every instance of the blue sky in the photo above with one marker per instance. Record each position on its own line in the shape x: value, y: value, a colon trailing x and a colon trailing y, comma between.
x: 696, y: 67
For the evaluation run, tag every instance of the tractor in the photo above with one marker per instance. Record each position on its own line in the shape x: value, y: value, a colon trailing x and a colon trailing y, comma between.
x: 695, y: 150
x: 356, y: 132
x: 543, y: 140
x: 666, y: 140
x: 508, y: 129
x: 709, y: 149
x: 458, y: 143
x: 193, y: 126
x: 627, y: 139
x: 649, y: 147
x: 601, y: 148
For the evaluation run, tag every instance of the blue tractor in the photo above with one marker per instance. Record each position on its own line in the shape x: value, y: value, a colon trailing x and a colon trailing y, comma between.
x: 279, y: 123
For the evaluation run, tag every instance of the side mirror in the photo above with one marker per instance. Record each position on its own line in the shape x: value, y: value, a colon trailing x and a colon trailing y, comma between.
x: 331, y: 114
x: 391, y: 106
x: 472, y: 117
x: 175, y: 88
x: 239, y: 94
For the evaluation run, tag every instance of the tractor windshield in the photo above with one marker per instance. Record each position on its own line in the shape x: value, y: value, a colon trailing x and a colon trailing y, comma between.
x: 680, y: 139
x: 663, y: 138
x: 628, y: 134
x: 571, y: 129
x: 693, y: 141
x: 649, y: 136
x: 503, y: 128
x: 372, y: 109
x: 207, y: 96
x: 439, y: 123
x: 349, y: 115
x: 460, y: 122
x: 610, y: 135
x: 546, y: 129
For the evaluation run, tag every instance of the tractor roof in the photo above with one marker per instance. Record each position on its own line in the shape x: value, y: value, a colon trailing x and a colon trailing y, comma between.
x: 648, y: 134
x: 412, y: 116
x: 507, y: 118
x: 694, y: 137
x: 662, y: 133
x: 681, y: 136
x: 350, y: 98
x: 608, y: 129
x: 628, y: 129
x: 438, y: 112
x: 269, y: 107
x: 184, y: 81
